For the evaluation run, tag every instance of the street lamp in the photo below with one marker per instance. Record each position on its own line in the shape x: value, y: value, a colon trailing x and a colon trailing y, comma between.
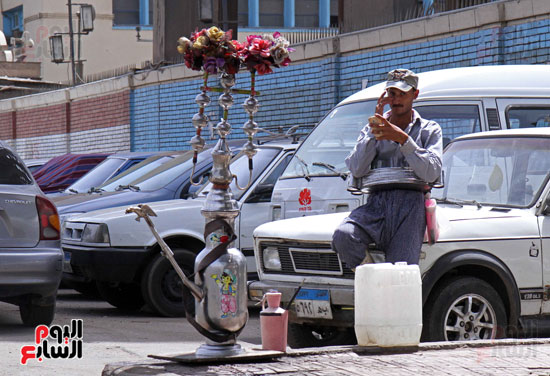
x: 56, y: 48
x: 86, y: 16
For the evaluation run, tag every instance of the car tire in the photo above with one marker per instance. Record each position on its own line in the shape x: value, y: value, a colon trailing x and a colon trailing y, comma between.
x: 161, y: 286
x: 303, y: 335
x: 124, y: 296
x: 465, y: 309
x: 34, y: 314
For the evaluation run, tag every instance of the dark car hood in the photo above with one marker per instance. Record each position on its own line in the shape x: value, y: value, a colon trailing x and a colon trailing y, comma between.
x: 115, y: 199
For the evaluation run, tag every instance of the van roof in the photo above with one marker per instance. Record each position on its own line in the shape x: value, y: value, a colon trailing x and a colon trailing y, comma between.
x: 474, y: 82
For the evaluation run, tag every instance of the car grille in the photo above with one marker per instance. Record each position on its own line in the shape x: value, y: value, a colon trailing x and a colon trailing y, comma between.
x: 307, y: 259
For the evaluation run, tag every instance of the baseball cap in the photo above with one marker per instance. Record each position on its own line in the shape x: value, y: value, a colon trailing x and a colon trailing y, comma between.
x: 402, y: 79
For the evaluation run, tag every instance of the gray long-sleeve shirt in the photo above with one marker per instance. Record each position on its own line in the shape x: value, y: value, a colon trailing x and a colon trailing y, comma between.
x: 421, y: 152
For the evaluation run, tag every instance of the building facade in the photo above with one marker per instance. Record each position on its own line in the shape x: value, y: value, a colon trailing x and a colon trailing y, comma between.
x: 112, y: 43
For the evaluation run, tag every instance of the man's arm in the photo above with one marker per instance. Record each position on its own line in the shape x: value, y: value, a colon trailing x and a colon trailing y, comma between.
x: 426, y: 161
x: 360, y: 159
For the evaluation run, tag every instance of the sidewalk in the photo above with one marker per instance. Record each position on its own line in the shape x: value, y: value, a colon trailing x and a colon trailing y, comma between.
x: 499, y: 357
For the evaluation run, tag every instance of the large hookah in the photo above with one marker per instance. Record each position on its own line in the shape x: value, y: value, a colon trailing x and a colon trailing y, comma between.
x: 219, y: 288
x: 216, y: 299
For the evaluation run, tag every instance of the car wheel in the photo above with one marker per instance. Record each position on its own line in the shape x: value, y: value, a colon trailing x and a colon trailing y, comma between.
x: 161, y: 286
x: 125, y: 296
x: 34, y: 314
x: 465, y: 309
x: 303, y: 335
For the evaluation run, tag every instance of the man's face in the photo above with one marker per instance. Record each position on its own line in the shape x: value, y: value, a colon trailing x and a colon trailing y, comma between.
x: 401, y: 101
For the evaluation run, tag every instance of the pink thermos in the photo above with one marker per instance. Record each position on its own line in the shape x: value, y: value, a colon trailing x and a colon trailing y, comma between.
x: 274, y: 323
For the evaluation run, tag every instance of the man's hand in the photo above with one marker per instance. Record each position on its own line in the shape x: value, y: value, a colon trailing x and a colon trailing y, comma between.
x: 382, y: 101
x: 387, y: 131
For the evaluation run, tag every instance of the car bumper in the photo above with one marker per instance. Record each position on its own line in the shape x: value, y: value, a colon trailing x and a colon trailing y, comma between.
x: 103, y: 264
x: 35, y: 272
x: 341, y: 301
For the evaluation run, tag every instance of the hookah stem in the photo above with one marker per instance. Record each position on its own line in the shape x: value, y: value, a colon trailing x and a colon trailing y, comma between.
x: 201, y: 111
x: 167, y: 252
x: 251, y: 116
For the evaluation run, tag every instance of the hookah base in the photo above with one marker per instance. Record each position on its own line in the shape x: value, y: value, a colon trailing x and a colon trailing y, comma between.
x: 208, y: 353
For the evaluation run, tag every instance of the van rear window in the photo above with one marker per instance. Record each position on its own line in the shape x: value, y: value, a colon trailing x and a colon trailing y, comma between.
x: 12, y: 169
x: 455, y: 120
x: 528, y: 117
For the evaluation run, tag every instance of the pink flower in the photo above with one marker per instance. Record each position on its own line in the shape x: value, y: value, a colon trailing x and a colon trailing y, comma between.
x: 250, y: 38
x: 260, y: 47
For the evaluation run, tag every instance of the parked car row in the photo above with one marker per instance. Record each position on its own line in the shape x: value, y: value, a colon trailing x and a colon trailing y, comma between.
x: 122, y: 256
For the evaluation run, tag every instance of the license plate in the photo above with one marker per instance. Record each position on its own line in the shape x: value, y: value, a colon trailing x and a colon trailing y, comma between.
x: 312, y: 303
x: 67, y: 268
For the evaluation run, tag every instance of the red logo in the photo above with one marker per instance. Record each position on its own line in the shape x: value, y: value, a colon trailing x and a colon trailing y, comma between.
x: 305, y: 197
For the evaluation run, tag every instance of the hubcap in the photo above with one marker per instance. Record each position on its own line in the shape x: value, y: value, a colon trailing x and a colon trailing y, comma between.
x: 470, y: 317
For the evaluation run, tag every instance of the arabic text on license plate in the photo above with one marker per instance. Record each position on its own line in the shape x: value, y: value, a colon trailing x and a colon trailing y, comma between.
x: 313, y: 303
x: 67, y: 262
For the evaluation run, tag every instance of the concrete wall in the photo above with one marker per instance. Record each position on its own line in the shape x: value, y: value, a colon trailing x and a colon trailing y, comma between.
x: 156, y: 106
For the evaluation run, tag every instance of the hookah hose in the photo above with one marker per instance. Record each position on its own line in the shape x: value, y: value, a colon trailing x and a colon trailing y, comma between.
x: 213, y: 255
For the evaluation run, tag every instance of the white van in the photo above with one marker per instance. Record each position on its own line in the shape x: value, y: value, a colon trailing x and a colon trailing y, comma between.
x: 461, y: 100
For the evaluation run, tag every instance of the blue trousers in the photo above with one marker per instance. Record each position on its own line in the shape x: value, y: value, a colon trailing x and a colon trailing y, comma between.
x: 395, y: 220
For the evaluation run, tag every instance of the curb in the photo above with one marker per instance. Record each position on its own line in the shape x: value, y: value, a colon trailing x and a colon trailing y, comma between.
x: 424, y: 346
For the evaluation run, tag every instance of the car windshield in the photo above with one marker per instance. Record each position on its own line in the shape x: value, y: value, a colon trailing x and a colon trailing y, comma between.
x: 324, y: 151
x: 167, y: 172
x: 239, y: 167
x: 499, y: 171
x: 96, y: 176
x: 137, y: 171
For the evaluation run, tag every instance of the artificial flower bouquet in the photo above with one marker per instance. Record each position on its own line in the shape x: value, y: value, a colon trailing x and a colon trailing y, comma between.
x: 213, y: 50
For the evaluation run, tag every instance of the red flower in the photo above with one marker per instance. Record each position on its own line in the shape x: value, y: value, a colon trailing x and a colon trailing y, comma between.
x: 260, y: 47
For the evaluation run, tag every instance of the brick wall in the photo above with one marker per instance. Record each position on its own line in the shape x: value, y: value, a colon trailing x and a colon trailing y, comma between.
x: 153, y: 110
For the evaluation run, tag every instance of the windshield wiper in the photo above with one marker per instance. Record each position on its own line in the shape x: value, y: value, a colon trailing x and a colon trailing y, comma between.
x: 95, y: 190
x: 73, y: 190
x: 329, y: 167
x: 131, y: 187
x: 459, y: 202
x: 306, y: 175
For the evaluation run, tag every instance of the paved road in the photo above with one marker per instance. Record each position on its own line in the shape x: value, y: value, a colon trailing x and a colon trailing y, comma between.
x: 109, y: 336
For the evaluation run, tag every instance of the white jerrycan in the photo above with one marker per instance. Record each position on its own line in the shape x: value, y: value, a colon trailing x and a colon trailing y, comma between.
x: 388, y: 304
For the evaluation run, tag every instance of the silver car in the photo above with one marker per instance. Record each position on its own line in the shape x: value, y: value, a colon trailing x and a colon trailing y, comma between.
x: 30, y: 253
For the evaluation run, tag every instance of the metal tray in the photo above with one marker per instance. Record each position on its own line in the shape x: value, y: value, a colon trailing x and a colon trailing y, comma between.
x: 389, y: 178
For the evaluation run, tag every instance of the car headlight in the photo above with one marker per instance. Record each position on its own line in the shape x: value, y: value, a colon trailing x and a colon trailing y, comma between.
x: 271, y: 258
x: 95, y: 233
x: 66, y: 216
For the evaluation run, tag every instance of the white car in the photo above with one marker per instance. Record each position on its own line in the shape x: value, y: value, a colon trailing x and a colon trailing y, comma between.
x: 487, y: 276
x: 123, y: 257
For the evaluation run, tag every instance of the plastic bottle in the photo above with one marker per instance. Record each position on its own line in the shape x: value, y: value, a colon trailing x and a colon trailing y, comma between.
x: 274, y: 323
x: 388, y: 304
